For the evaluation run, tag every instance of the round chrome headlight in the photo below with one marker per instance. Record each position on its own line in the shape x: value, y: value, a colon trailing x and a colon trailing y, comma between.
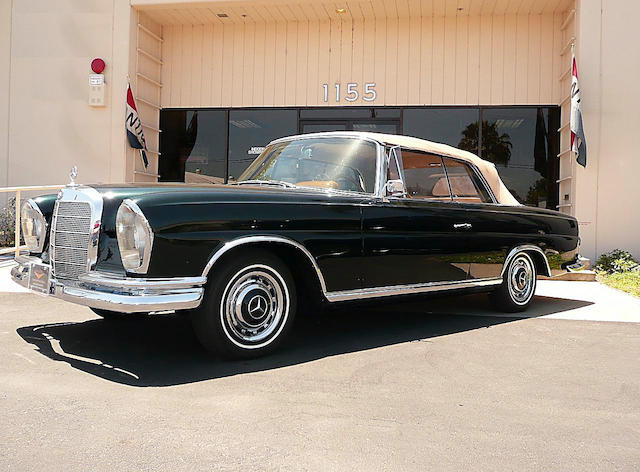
x: 135, y: 237
x: 34, y: 226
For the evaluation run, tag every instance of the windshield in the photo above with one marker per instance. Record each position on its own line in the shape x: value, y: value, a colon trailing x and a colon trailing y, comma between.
x: 332, y: 163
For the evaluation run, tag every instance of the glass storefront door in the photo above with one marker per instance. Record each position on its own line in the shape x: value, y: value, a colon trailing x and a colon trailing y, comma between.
x: 370, y: 125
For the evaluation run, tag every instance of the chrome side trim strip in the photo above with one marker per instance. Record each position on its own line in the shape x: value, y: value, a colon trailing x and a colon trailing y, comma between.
x: 525, y: 247
x: 264, y: 239
x: 392, y: 290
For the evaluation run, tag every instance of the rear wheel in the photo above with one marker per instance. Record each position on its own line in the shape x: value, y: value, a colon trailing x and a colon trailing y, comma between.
x: 518, y: 285
x: 249, y: 306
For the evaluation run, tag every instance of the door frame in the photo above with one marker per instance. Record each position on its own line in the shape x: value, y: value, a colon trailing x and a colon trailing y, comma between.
x: 348, y: 123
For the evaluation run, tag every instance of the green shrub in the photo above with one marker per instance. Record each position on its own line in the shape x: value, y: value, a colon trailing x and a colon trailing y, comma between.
x: 8, y: 223
x: 616, y: 261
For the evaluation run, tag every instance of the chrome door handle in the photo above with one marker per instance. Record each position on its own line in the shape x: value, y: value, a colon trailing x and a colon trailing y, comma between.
x: 462, y: 226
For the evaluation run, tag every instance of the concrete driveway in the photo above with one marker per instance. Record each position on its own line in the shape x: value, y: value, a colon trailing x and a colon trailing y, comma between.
x: 443, y: 384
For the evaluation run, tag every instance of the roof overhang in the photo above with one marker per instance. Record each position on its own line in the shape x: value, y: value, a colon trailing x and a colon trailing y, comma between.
x: 242, y: 11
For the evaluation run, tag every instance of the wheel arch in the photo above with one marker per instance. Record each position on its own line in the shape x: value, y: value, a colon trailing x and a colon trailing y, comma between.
x: 537, y: 255
x: 298, y: 259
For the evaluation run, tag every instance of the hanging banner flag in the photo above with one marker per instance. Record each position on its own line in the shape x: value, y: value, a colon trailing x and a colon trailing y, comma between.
x: 578, y: 141
x: 133, y: 126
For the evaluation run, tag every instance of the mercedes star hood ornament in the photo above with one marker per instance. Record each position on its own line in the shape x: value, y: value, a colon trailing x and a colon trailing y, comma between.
x: 73, y: 173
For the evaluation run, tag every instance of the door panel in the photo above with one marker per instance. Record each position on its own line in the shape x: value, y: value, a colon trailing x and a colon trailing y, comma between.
x: 486, y: 241
x: 412, y: 241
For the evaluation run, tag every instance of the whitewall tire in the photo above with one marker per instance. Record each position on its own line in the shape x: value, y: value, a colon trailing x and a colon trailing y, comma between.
x: 249, y: 306
x: 518, y: 284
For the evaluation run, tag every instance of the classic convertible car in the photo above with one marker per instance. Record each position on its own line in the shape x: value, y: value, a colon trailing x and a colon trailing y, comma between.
x: 330, y: 217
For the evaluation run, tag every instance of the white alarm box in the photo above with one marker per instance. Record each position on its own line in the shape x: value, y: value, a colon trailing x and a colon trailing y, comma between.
x: 96, y: 90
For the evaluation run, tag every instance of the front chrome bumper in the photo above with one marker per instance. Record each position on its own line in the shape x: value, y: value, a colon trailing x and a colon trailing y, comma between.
x: 122, y: 294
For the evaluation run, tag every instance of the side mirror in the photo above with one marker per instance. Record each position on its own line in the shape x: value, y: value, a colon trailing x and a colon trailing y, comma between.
x: 394, y: 188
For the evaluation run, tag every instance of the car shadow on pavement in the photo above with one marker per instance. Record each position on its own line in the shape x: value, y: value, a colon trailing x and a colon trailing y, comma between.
x: 162, y: 350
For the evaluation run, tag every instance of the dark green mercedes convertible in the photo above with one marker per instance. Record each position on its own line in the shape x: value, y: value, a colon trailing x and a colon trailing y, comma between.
x: 331, y: 217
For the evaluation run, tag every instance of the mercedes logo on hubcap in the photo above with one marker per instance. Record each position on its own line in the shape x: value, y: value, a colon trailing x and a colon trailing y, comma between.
x: 257, y: 306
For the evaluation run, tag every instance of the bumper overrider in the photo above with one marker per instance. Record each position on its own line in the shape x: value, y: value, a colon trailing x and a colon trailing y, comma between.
x: 115, y: 293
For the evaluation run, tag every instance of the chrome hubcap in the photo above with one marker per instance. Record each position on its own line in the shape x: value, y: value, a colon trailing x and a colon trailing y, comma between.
x: 521, y: 279
x: 254, y: 306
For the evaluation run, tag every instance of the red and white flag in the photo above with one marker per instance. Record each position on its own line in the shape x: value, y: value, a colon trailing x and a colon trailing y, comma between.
x: 133, y: 126
x: 578, y: 141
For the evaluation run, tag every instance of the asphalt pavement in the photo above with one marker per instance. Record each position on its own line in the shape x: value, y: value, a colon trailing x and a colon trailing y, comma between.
x: 430, y: 384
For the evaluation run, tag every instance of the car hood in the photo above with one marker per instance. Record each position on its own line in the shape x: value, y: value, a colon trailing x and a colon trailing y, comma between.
x: 185, y: 193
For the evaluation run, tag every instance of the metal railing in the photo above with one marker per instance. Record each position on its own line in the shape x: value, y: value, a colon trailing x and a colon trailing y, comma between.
x: 18, y: 191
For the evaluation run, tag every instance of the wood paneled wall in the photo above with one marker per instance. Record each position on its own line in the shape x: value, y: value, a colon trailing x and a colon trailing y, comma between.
x: 458, y: 60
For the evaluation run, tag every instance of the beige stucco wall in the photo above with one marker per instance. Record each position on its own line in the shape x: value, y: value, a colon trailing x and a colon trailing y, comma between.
x: 5, y: 75
x: 607, y: 191
x: 50, y: 125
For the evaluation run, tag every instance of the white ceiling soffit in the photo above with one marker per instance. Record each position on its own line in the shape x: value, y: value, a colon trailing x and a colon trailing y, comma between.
x: 170, y: 12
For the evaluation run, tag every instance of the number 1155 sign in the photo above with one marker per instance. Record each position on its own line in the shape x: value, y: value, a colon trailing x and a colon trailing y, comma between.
x: 352, y: 92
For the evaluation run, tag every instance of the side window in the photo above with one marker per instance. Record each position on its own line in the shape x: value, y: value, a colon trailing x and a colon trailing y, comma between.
x: 466, y: 186
x: 424, y: 176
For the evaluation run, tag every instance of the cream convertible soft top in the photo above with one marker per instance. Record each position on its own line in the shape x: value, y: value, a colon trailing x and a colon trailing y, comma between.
x: 487, y: 168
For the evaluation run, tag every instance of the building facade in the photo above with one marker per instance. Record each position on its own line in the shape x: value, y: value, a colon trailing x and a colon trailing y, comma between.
x: 215, y: 81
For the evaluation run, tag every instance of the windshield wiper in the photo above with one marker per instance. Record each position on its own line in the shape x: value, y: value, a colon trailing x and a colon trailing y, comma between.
x: 279, y: 183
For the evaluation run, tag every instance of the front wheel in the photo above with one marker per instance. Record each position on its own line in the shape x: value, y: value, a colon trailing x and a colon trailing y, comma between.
x: 248, y: 308
x: 518, y: 285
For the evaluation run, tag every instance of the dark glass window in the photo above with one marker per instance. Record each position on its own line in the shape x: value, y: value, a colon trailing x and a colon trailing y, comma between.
x: 453, y: 126
x: 387, y: 112
x: 424, y: 176
x: 523, y: 143
x: 193, y: 145
x: 466, y: 186
x: 251, y: 130
x: 339, y: 113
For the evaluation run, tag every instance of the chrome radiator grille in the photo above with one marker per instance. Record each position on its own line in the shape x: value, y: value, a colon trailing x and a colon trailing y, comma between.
x: 70, y: 237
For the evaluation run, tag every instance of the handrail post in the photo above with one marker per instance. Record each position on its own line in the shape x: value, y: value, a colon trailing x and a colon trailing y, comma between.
x: 17, y: 231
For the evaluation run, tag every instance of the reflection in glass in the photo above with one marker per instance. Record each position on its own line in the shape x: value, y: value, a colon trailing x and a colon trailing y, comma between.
x: 496, y: 146
x: 340, y: 113
x: 251, y: 130
x: 531, y: 170
x: 333, y: 163
x: 322, y: 127
x: 375, y: 127
x: 193, y: 146
x: 441, y: 125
